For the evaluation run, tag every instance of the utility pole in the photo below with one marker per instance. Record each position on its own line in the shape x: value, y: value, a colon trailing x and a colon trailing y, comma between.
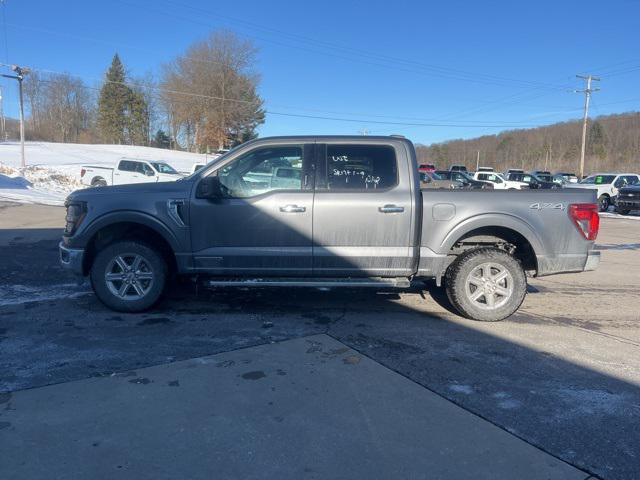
x: 587, y: 96
x: 20, y: 73
x: 3, y: 129
x: 478, y: 161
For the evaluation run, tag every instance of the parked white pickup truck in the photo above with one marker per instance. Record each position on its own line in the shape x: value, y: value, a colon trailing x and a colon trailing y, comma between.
x: 499, y: 182
x: 606, y: 186
x: 128, y: 170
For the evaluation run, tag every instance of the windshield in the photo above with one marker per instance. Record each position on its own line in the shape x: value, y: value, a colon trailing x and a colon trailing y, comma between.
x: 598, y: 180
x: 163, y: 168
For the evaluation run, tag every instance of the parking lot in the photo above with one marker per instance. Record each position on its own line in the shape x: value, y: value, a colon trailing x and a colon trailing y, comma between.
x: 563, y: 374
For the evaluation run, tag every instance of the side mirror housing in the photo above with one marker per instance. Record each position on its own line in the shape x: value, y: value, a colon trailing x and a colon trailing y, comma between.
x: 209, y: 187
x: 149, y: 173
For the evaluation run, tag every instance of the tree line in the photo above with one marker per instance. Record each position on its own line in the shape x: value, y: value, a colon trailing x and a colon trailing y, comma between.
x: 203, y: 100
x: 613, y: 144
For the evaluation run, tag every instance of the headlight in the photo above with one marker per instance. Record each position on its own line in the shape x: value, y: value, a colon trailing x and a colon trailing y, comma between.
x: 76, y: 212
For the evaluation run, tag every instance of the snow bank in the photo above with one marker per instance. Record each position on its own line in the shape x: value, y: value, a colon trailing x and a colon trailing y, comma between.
x: 53, y: 169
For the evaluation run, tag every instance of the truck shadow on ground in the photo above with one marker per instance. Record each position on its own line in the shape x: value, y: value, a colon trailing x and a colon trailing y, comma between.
x: 581, y: 415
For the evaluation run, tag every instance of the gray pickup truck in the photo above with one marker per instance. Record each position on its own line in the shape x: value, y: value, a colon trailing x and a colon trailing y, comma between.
x: 325, y: 212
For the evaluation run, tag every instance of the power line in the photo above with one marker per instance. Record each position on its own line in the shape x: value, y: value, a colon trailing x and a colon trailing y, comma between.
x: 356, y: 55
x: 161, y: 90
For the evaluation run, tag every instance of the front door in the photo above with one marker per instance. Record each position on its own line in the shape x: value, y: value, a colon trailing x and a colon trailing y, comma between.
x: 263, y: 224
x: 363, y: 213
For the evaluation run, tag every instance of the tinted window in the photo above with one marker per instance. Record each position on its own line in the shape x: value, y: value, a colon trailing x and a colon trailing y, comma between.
x: 361, y: 167
x: 127, y: 166
x: 599, y: 179
x: 164, y: 168
x: 263, y: 170
x: 632, y: 180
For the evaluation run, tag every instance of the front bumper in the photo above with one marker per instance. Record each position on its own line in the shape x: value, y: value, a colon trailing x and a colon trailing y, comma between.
x: 71, y: 258
x: 631, y: 204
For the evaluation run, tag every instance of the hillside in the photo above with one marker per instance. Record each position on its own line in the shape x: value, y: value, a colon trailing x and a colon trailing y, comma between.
x: 53, y: 169
x: 613, y: 144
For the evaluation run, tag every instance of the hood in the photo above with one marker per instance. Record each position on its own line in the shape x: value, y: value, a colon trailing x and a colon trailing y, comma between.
x: 630, y: 188
x: 172, y: 188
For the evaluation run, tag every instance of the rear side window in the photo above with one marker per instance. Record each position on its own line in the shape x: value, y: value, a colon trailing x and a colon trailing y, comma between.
x: 361, y: 167
x: 127, y: 166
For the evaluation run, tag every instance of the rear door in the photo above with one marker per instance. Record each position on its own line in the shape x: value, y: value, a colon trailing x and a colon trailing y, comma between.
x: 363, y: 213
x: 125, y: 172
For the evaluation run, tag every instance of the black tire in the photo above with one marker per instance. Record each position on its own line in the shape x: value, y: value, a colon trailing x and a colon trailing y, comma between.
x: 100, y: 182
x: 603, y: 203
x: 463, y: 270
x: 141, y: 289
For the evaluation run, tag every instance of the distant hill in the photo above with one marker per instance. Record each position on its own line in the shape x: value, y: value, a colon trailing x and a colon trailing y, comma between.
x: 613, y: 144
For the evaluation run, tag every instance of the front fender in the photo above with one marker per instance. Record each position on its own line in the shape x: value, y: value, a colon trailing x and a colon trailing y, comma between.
x: 82, y: 238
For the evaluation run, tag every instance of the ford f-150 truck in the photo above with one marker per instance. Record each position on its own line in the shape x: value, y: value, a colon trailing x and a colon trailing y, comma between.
x: 128, y: 170
x: 350, y: 213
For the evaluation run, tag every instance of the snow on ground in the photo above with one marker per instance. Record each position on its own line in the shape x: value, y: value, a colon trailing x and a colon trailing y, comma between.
x: 53, y: 169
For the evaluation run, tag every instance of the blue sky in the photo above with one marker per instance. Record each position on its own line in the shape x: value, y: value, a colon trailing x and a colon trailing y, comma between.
x: 458, y: 68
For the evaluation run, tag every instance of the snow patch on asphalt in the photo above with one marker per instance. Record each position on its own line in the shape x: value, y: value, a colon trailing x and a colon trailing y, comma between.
x: 591, y: 401
x: 19, y: 294
x: 458, y: 388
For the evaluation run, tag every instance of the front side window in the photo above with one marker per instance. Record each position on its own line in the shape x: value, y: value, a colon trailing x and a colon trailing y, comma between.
x: 599, y: 180
x: 263, y: 170
x: 361, y: 167
x: 163, y: 168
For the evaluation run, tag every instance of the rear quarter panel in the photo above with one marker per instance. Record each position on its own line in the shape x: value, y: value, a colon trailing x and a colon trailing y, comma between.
x: 541, y: 216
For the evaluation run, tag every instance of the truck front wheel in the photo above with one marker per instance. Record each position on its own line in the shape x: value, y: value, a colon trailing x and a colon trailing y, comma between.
x: 486, y: 284
x: 603, y: 203
x: 128, y: 276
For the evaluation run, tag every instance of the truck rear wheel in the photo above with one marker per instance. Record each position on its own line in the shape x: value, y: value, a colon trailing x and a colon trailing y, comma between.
x: 128, y: 276
x: 486, y: 284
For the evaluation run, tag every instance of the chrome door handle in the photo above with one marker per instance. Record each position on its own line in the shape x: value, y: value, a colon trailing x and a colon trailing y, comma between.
x: 292, y: 209
x: 391, y: 209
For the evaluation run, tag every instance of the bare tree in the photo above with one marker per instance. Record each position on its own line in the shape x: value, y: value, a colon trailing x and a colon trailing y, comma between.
x: 60, y: 107
x: 210, y: 93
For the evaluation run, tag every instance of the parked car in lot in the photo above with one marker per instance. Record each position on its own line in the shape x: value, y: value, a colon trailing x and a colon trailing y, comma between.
x: 426, y: 167
x: 433, y: 180
x: 606, y: 186
x: 465, y: 179
x: 128, y: 170
x: 569, y: 177
x: 628, y: 199
x: 512, y: 170
x: 354, y: 217
x: 498, y: 181
x: 457, y: 168
x: 534, y: 182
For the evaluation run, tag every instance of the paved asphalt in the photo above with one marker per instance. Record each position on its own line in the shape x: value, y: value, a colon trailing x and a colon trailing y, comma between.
x: 563, y: 374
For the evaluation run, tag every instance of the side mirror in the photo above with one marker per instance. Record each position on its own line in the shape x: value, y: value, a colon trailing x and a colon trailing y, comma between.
x: 150, y: 173
x: 209, y: 187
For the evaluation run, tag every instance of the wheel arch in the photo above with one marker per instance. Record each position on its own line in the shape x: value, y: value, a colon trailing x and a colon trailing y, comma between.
x: 129, y: 226
x: 485, y: 230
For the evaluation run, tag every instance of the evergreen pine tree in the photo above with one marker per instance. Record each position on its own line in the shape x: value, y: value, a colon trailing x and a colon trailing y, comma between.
x: 161, y: 139
x: 137, y: 119
x: 112, y: 104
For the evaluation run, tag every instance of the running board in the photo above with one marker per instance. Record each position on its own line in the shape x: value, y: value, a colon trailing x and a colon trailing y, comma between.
x: 400, y: 282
